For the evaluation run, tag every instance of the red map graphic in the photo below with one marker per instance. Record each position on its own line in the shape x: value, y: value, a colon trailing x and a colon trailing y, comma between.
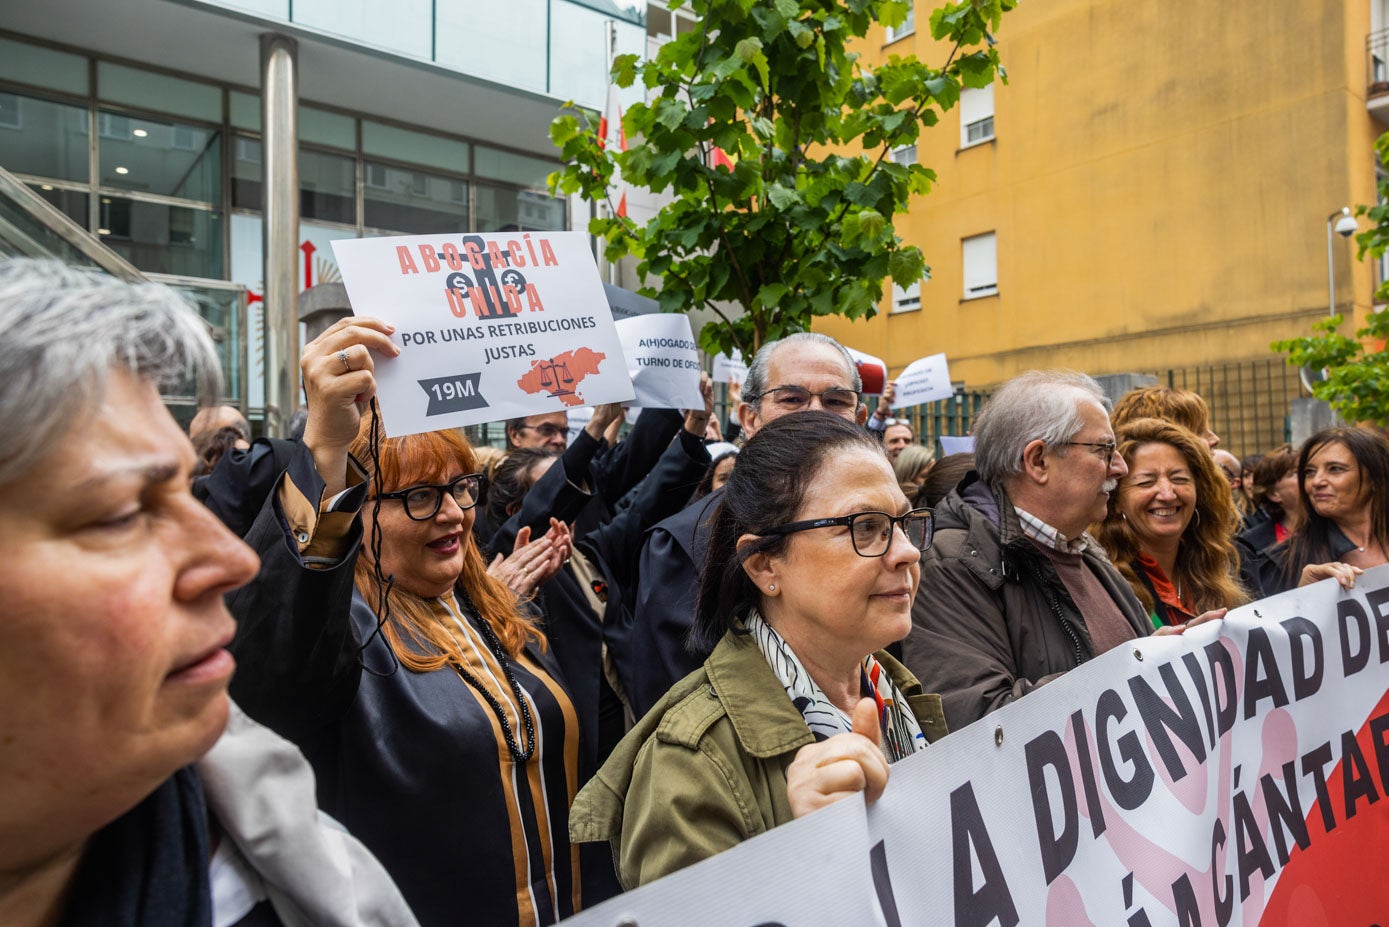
x: 560, y: 376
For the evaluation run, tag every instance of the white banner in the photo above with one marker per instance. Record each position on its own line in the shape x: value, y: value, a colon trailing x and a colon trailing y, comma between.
x: 662, y: 360
x: 490, y: 326
x: 754, y: 884
x: 925, y: 380
x: 1235, y: 774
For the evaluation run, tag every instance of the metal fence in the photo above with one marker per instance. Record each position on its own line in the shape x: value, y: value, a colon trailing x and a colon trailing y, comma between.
x: 1249, y: 403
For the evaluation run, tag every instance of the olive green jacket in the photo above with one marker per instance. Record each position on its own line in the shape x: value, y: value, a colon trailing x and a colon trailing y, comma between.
x: 705, y: 769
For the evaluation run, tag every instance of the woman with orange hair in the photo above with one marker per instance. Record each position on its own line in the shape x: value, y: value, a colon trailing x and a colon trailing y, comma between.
x: 416, y: 683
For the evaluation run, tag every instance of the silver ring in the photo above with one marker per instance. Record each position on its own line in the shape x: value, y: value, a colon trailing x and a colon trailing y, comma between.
x: 346, y: 364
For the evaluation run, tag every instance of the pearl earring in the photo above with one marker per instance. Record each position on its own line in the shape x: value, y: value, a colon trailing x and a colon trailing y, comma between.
x: 772, y: 588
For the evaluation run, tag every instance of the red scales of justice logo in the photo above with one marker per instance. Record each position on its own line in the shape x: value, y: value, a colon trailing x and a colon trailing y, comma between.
x: 559, y: 377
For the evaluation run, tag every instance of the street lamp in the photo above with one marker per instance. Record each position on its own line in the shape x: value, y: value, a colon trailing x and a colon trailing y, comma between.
x: 1342, y: 223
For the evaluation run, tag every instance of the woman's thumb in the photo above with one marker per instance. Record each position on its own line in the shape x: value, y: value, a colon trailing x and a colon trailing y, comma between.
x: 865, y: 720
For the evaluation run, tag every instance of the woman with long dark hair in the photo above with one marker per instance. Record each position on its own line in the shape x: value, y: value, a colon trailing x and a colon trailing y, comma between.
x: 812, y: 567
x: 1343, y: 489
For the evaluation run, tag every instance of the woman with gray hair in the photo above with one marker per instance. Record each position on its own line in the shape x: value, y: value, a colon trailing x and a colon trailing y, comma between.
x: 122, y: 801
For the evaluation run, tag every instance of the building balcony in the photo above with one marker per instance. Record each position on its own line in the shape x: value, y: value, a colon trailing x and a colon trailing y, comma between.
x: 1377, y: 74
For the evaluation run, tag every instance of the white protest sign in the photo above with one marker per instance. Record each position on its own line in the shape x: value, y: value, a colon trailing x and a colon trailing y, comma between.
x: 729, y: 368
x: 925, y: 380
x: 490, y: 326
x: 956, y: 444
x: 871, y: 370
x: 826, y: 881
x: 662, y: 360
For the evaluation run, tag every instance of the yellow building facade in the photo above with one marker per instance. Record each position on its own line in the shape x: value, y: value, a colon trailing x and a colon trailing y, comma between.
x: 1158, y: 185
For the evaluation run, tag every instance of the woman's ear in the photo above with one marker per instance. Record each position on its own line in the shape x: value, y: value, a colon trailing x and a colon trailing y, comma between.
x: 1034, y: 461
x: 759, y: 566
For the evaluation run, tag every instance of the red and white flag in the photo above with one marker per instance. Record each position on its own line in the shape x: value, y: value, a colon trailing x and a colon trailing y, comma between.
x: 611, y: 134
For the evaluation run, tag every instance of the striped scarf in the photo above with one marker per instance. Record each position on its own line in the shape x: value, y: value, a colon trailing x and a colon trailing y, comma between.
x: 901, y: 733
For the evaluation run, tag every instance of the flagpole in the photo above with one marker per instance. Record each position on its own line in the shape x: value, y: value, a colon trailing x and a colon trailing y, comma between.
x: 610, y: 25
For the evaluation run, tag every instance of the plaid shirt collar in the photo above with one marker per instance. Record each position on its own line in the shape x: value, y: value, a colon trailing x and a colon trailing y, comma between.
x: 1047, y: 536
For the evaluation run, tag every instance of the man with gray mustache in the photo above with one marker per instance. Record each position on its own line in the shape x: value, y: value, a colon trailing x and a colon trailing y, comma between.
x: 1014, y: 591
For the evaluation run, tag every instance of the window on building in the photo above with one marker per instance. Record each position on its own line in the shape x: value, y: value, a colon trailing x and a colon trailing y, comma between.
x: 980, y: 265
x: 408, y: 200
x: 1382, y: 263
x: 327, y: 187
x: 976, y: 115
x: 907, y: 28
x: 904, y: 155
x: 10, y: 117
x: 162, y: 238
x: 143, y: 155
x: 906, y: 300
x: 43, y: 139
x: 70, y: 202
x: 502, y: 209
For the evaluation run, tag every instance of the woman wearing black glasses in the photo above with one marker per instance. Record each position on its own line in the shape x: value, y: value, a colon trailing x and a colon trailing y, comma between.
x: 418, y: 686
x: 811, y: 572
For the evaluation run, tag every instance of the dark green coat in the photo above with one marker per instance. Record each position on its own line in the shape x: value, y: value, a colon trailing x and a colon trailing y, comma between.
x: 705, y: 769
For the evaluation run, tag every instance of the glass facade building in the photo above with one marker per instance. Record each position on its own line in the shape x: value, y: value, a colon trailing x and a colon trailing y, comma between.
x: 417, y: 117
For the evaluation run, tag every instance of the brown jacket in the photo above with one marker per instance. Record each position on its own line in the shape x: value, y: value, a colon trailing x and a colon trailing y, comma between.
x: 992, y: 620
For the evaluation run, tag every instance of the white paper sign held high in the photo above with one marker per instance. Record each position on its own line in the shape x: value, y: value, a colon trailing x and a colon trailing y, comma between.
x: 490, y: 326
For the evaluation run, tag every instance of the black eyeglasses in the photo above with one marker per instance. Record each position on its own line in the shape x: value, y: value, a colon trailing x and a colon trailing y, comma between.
x: 1107, y: 449
x: 871, y: 532
x: 797, y: 398
x: 546, y: 430
x: 422, y: 502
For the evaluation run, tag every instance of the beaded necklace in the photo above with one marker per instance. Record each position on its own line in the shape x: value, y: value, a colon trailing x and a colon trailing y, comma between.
x: 489, y: 636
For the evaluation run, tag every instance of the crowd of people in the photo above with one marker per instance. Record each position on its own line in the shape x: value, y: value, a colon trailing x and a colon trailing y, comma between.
x: 345, y: 678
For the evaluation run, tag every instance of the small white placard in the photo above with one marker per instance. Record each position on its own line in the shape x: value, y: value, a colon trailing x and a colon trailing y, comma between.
x: 925, y: 380
x: 730, y: 369
x: 955, y: 444
x: 662, y: 360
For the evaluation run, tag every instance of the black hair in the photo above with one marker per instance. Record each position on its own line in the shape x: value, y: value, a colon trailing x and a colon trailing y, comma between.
x: 766, y: 489
x: 510, y: 481
x: 1311, y: 540
x: 706, y: 485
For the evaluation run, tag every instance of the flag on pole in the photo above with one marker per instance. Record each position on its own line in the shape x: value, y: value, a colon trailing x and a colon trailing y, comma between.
x: 611, y: 134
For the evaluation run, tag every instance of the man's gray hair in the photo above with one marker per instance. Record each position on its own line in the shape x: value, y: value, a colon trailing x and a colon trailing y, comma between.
x: 63, y: 330
x: 756, y: 383
x: 1038, y: 405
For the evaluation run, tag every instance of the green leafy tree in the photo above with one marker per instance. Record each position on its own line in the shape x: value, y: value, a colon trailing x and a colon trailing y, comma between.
x: 802, y: 224
x: 1357, y: 369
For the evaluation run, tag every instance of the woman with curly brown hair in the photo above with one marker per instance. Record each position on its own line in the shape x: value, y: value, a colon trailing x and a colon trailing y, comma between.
x: 1171, y: 524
